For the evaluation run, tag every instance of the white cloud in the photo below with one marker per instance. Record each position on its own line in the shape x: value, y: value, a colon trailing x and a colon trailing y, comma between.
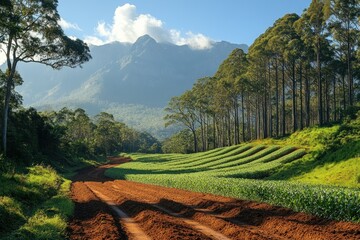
x: 128, y: 26
x: 67, y: 25
x: 94, y: 41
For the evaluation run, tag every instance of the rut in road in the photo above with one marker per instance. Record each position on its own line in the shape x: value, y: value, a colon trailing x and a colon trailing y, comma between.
x: 118, y: 209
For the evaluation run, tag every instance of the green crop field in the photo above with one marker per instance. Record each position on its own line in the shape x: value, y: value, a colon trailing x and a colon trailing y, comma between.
x: 293, y: 172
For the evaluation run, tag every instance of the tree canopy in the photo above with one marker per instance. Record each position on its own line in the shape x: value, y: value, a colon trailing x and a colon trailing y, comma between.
x: 302, y: 71
x: 30, y: 32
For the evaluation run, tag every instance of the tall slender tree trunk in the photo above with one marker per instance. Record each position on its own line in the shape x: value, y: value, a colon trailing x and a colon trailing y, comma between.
x: 283, y: 100
x: 301, y: 97
x: 8, y: 87
x: 319, y: 85
x: 265, y: 116
x: 236, y: 123
x: 349, y: 70
x: 249, y: 121
x: 276, y: 99
x: 344, y: 92
x: 334, y: 98
x: 195, y: 140
x: 307, y: 97
x: 327, y: 102
x: 214, y: 132
x: 270, y: 122
x: 6, y: 114
x: 294, y: 123
x: 243, y: 116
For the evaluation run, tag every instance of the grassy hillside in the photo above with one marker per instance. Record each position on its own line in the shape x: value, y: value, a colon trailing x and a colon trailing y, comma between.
x: 315, y: 170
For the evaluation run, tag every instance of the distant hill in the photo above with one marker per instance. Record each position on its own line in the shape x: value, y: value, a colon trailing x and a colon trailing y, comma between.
x: 120, y: 77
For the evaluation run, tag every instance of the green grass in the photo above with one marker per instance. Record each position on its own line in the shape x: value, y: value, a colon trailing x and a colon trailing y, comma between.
x: 317, y: 170
x: 344, y: 173
x: 36, y: 204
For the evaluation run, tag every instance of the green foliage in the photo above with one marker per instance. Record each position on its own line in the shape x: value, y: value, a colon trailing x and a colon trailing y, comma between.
x: 36, y: 204
x: 178, y: 143
x: 10, y: 211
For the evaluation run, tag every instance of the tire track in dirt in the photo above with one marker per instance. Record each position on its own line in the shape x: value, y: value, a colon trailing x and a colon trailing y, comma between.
x: 129, y: 223
x: 192, y: 223
x: 168, y: 213
x: 156, y: 198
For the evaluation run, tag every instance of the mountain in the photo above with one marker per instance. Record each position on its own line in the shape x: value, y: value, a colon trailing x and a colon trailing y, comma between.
x: 142, y: 76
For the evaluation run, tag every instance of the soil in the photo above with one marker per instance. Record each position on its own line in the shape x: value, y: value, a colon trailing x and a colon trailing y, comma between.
x: 119, y: 209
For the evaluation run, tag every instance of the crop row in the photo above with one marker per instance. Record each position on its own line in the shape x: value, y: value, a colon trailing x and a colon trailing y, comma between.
x: 331, y: 202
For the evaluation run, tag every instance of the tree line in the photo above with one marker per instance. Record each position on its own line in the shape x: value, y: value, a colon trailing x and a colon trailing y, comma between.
x: 60, y: 137
x: 303, y: 71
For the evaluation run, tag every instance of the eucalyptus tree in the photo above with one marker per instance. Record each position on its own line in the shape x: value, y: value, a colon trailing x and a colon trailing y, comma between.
x: 181, y: 110
x: 312, y: 27
x: 30, y: 32
x: 286, y: 44
x: 229, y: 74
x: 202, y: 102
x: 344, y: 25
x: 107, y: 135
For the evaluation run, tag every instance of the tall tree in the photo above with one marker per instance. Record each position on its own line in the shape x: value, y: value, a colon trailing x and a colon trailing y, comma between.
x: 182, y: 110
x: 30, y: 32
x: 312, y: 28
x: 345, y: 29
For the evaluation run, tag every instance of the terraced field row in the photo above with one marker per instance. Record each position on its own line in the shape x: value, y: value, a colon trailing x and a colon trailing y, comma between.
x: 230, y: 161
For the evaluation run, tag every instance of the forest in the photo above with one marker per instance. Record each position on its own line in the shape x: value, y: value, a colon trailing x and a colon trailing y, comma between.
x: 303, y: 71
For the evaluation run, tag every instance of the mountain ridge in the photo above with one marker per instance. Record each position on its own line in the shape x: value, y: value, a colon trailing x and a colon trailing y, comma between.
x: 146, y: 73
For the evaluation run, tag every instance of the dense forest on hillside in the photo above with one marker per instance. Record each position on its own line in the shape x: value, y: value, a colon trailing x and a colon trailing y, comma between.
x: 59, y: 138
x: 303, y: 71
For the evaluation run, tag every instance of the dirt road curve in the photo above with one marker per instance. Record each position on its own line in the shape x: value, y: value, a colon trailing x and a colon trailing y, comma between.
x: 117, y: 209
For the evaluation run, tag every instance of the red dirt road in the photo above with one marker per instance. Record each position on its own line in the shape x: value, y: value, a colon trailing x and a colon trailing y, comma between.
x: 117, y: 209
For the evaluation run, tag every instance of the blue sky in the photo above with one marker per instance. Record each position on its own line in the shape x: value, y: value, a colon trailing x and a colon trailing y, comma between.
x: 177, y: 21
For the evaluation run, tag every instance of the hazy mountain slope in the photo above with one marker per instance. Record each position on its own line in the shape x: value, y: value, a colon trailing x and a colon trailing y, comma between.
x: 143, y: 74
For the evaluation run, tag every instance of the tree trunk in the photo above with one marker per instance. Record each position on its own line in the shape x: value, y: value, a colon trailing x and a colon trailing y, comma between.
x: 195, y: 140
x: 243, y: 116
x: 307, y: 98
x: 301, y: 98
x: 349, y: 70
x: 8, y: 88
x: 344, y: 92
x: 294, y: 123
x: 327, y: 102
x: 283, y: 100
x: 319, y: 85
x: 334, y: 98
x: 276, y: 100
x: 214, y: 132
x: 270, y: 123
x: 265, y: 116
x: 6, y: 114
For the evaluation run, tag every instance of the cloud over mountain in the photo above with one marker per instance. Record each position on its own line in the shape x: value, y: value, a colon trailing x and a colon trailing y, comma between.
x: 68, y: 25
x: 128, y: 26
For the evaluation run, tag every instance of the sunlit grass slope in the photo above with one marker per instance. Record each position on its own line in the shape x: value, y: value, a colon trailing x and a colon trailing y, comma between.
x: 316, y: 170
x: 34, y: 205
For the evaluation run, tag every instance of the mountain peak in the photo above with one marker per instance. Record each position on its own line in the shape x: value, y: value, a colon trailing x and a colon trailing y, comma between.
x: 144, y: 40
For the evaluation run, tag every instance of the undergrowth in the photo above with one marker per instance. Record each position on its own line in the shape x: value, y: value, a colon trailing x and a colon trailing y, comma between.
x: 35, y: 203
